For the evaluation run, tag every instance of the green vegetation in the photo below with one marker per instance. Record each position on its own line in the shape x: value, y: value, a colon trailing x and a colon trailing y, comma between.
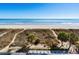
x: 32, y: 38
x: 72, y: 37
x: 49, y: 43
x: 37, y: 41
x: 63, y: 36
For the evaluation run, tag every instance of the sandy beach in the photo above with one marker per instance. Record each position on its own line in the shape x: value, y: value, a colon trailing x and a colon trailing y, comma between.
x: 26, y: 26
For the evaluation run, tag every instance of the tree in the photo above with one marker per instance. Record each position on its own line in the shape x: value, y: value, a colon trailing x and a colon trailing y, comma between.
x: 73, y: 38
x: 63, y: 36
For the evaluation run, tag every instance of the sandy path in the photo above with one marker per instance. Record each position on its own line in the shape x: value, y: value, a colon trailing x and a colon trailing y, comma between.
x: 56, y: 36
x: 4, y: 33
x: 54, y: 33
x: 7, y: 47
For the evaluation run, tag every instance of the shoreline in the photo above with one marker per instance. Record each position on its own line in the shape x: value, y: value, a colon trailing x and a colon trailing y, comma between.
x: 27, y: 26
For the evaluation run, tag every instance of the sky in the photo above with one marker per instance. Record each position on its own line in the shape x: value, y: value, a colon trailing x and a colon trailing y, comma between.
x: 39, y: 10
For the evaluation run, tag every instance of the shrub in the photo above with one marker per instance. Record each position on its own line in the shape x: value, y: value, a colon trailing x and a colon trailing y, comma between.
x: 73, y: 37
x: 63, y: 36
x: 32, y: 38
x: 37, y: 41
x: 49, y: 43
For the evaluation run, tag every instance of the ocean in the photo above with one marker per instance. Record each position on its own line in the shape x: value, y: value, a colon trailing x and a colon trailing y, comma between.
x: 39, y: 21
